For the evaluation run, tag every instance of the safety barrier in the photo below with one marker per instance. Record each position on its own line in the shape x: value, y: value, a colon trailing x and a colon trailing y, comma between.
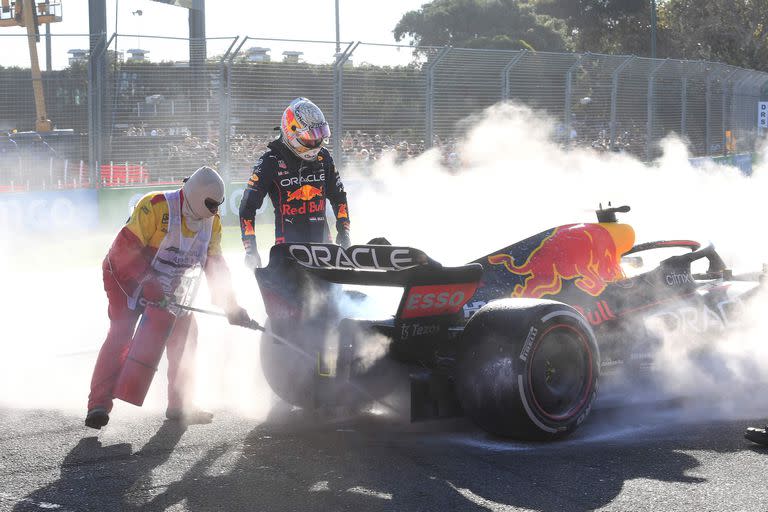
x: 168, y: 116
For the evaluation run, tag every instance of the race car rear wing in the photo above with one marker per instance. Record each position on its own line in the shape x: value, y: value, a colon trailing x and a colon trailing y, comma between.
x: 430, y: 289
x: 370, y: 265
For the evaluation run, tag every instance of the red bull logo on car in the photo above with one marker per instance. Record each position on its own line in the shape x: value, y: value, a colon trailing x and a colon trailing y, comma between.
x: 588, y: 254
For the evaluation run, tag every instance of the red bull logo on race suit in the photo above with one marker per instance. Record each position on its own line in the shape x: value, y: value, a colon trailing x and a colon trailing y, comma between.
x: 585, y: 253
x: 305, y: 193
x: 248, y: 227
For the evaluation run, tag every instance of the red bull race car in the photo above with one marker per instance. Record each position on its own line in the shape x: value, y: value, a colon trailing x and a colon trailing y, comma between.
x: 517, y: 340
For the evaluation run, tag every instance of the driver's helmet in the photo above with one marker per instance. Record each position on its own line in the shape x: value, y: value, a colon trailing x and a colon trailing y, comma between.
x: 304, y: 128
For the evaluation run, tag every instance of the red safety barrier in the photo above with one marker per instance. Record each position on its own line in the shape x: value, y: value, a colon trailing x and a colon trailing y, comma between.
x: 13, y: 188
x: 113, y: 175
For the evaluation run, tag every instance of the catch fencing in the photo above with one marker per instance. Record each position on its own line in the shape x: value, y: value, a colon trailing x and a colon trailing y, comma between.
x: 153, y: 118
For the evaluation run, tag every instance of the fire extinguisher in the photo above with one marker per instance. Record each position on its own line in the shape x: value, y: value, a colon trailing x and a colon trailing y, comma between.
x: 146, y: 350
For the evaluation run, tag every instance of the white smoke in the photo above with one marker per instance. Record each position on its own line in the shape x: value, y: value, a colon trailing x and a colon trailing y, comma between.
x: 511, y: 182
x: 514, y: 182
x: 54, y: 313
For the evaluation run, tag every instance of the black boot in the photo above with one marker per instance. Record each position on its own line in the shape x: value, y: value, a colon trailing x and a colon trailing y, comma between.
x: 97, y: 418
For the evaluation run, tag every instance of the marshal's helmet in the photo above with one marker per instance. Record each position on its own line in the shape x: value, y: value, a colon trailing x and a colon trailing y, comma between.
x: 304, y: 128
x: 203, y: 194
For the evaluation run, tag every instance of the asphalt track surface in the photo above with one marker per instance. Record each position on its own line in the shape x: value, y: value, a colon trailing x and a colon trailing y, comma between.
x: 648, y: 460
x: 658, y: 457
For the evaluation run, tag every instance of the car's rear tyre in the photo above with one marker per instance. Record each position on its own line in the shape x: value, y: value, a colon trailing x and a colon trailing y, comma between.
x: 527, y: 368
x: 288, y: 371
x: 362, y: 371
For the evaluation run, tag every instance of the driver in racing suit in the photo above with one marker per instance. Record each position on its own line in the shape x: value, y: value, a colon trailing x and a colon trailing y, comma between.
x: 167, y: 242
x: 298, y: 174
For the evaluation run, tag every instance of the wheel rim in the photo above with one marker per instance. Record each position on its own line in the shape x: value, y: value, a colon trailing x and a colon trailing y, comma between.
x: 560, y: 373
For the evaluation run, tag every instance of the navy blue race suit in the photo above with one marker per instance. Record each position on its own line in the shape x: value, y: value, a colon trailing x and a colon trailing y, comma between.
x: 298, y: 190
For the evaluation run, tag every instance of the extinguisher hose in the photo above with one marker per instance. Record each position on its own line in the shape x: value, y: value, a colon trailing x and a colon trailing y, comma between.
x: 254, y: 325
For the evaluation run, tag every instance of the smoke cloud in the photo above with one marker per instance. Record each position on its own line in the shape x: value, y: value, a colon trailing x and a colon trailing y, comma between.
x: 511, y: 182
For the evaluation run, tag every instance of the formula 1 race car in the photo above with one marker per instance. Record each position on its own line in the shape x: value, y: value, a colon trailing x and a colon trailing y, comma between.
x: 515, y: 340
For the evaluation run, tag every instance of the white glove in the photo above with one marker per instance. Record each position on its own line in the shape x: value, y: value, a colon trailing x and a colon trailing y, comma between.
x: 252, y: 261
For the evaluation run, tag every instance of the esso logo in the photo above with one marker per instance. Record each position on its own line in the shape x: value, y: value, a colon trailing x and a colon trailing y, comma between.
x: 433, y: 300
x: 437, y: 300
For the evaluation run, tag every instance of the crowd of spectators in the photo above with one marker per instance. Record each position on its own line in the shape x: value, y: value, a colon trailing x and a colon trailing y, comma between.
x: 177, y: 150
x: 361, y: 149
x: 171, y: 153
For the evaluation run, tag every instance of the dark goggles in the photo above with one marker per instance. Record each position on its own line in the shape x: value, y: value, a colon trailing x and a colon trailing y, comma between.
x: 213, y: 205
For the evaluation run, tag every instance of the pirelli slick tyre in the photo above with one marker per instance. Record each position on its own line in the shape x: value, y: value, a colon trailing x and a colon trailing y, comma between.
x: 288, y: 371
x: 527, y: 369
x: 361, y: 373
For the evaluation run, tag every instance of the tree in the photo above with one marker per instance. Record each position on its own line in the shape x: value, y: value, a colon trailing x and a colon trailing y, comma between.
x: 732, y: 32
x: 607, y: 26
x: 502, y: 24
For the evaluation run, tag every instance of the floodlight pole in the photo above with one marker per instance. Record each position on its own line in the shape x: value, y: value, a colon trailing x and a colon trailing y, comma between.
x: 653, y: 29
x: 338, y: 30
x: 48, y: 58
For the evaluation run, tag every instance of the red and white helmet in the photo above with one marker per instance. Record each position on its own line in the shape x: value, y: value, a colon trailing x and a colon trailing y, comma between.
x: 304, y: 128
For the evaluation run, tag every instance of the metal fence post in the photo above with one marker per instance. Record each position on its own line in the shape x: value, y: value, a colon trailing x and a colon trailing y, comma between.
x: 97, y: 73
x: 726, y: 82
x: 338, y: 97
x: 505, y: 83
x: 649, y: 107
x: 614, y: 96
x: 430, y: 96
x: 225, y: 76
x: 684, y: 106
x: 708, y: 113
x: 568, y: 98
x: 92, y: 109
x: 736, y: 106
x: 750, y: 118
x: 756, y: 84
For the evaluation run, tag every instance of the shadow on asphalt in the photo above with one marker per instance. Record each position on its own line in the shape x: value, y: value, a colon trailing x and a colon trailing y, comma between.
x: 95, y: 477
x: 361, y: 465
x: 299, y: 463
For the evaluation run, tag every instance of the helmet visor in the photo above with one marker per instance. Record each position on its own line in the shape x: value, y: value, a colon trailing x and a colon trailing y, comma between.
x: 315, y: 137
x: 213, y: 205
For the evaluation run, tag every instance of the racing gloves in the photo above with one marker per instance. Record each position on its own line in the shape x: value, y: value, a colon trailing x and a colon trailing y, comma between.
x: 342, y: 235
x: 237, y: 315
x: 252, y: 258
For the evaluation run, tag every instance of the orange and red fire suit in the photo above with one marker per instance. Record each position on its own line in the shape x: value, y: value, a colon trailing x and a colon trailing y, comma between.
x: 128, y: 263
